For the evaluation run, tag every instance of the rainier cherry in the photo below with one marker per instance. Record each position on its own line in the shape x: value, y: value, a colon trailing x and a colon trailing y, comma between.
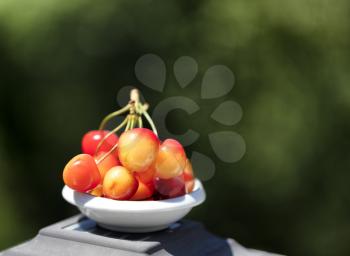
x: 138, y: 149
x: 171, y: 159
x: 91, y: 140
x: 188, y: 176
x: 146, y: 176
x: 119, y: 183
x: 144, y: 191
x: 81, y: 173
x: 97, y: 191
x: 106, y: 164
x: 146, y: 184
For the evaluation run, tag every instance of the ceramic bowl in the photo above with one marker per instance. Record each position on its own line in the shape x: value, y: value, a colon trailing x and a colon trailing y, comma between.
x: 135, y: 216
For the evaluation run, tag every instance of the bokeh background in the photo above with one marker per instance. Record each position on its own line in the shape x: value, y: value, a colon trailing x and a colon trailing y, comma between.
x: 62, y: 63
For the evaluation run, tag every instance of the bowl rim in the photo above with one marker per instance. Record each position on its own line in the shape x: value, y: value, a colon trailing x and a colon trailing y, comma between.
x: 84, y: 200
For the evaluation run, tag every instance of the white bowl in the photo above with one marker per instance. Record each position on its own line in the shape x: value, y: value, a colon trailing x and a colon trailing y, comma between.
x: 135, y: 216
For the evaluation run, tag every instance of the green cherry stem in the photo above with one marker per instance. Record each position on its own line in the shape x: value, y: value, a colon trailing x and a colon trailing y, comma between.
x: 128, y: 123
x: 107, y: 154
x: 141, y: 109
x: 110, y: 133
x: 139, y: 120
x: 150, y: 121
x: 136, y: 110
x: 114, y: 114
x: 132, y: 125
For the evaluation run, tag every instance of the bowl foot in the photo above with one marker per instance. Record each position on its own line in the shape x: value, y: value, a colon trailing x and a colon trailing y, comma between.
x: 133, y: 229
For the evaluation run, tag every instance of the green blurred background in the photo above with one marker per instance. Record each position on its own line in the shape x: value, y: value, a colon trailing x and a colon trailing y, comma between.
x: 62, y: 63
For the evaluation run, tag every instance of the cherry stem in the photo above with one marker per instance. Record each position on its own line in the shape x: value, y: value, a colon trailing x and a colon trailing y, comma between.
x: 128, y: 123
x: 140, y: 123
x: 107, y: 154
x: 135, y: 96
x: 136, y: 110
x: 150, y: 121
x: 114, y: 114
x: 109, y: 134
x: 141, y: 109
x: 132, y: 122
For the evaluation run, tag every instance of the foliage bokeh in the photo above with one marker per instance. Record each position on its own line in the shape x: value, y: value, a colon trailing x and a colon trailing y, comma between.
x: 62, y: 63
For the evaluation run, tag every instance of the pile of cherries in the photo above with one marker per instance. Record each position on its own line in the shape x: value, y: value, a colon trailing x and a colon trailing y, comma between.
x: 134, y: 166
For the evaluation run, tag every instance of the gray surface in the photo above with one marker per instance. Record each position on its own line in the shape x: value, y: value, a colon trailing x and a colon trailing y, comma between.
x: 81, y: 236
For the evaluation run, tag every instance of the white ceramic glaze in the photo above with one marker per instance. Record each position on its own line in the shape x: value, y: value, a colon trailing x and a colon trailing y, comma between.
x: 135, y: 216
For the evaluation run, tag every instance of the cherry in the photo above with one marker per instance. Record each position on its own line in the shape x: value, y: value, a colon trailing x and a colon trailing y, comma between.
x: 92, y: 139
x: 144, y: 191
x: 146, y: 176
x: 188, y: 176
x: 119, y: 183
x: 136, y: 166
x: 171, y: 159
x: 138, y: 149
x: 106, y: 164
x: 169, y: 188
x: 81, y: 173
x: 97, y: 191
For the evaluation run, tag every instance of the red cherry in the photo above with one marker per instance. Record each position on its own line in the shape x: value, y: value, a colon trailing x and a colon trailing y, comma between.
x: 169, y: 188
x: 91, y: 140
x: 81, y: 173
